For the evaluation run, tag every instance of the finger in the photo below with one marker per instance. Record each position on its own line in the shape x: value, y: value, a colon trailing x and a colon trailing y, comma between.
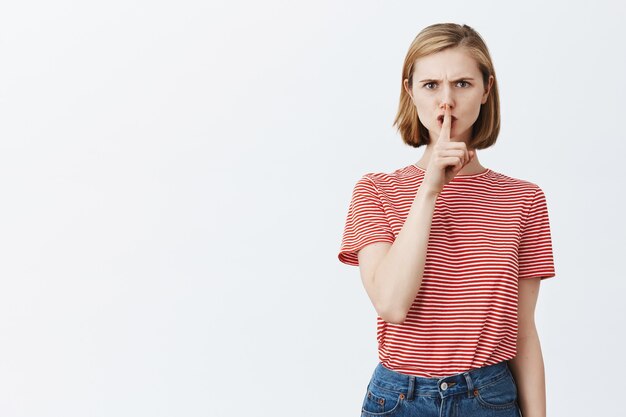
x: 452, y: 163
x: 472, y: 155
x: 469, y: 156
x: 447, y: 122
x: 460, y: 161
x: 463, y: 154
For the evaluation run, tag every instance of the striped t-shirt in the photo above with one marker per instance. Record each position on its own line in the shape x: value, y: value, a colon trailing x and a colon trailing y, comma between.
x: 488, y: 231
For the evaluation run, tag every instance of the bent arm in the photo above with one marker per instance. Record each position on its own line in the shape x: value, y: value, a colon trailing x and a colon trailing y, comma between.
x: 392, y: 273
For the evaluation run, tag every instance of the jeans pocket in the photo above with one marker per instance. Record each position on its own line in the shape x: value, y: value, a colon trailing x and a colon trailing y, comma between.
x: 381, y: 402
x: 499, y: 394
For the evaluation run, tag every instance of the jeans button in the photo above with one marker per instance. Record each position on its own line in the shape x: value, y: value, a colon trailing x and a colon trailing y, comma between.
x: 444, y: 386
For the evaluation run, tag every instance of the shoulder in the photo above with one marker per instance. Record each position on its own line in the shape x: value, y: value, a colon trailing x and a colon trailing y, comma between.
x: 516, y: 184
x: 385, y: 180
x: 522, y: 192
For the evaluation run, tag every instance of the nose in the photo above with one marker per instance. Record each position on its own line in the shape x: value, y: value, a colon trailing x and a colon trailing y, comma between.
x: 446, y: 97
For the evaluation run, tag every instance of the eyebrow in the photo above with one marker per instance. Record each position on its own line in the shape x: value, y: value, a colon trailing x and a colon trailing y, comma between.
x: 458, y: 79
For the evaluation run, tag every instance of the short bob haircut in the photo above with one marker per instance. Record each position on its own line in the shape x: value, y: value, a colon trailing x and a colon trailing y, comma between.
x: 436, y: 38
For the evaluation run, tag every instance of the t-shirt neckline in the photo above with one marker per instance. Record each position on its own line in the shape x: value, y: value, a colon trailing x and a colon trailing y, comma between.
x: 479, y: 174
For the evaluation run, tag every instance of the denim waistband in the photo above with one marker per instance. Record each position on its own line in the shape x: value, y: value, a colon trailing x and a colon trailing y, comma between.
x: 464, y: 382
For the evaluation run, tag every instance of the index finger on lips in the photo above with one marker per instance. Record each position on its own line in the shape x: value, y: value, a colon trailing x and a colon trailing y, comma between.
x: 447, y: 122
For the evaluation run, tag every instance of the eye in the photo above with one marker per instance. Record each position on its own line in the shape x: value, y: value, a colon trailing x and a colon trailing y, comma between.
x: 461, y: 81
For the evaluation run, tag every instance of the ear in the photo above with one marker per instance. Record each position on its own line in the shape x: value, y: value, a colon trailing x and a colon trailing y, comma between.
x: 405, y: 83
x: 487, y: 90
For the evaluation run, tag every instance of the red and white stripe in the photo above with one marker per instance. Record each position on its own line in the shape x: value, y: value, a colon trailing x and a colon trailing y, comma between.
x: 488, y: 231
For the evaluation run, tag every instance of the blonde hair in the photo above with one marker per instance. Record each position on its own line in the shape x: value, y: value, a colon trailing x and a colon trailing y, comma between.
x: 436, y: 38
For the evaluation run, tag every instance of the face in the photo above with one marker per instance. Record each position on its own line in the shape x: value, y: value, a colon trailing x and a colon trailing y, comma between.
x: 451, y: 76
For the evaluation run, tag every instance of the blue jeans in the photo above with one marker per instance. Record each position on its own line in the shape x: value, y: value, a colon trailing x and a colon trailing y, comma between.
x: 487, y: 391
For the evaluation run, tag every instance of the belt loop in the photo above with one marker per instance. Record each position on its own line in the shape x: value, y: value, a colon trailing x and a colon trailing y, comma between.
x: 410, y: 395
x: 470, y: 384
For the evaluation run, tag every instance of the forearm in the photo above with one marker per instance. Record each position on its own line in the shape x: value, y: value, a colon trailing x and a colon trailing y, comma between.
x: 399, y: 275
x: 528, y: 370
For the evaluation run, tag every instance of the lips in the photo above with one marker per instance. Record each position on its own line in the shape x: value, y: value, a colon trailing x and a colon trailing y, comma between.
x: 440, y: 122
x: 440, y: 118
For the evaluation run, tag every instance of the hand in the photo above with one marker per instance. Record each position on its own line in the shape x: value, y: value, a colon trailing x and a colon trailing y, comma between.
x: 448, y: 157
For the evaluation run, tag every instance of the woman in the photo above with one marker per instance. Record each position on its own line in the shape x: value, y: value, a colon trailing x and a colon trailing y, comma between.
x: 451, y: 253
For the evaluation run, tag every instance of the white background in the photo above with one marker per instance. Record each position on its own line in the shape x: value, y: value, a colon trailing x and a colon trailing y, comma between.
x: 175, y: 176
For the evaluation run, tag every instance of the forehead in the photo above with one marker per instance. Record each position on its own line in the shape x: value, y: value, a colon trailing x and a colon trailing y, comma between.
x: 451, y: 63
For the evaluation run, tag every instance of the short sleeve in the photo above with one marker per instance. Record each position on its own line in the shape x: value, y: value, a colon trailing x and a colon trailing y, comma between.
x: 366, y: 222
x: 535, y: 257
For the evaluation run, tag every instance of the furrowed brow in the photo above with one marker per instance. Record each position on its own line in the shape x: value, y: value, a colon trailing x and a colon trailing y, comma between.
x: 458, y: 79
